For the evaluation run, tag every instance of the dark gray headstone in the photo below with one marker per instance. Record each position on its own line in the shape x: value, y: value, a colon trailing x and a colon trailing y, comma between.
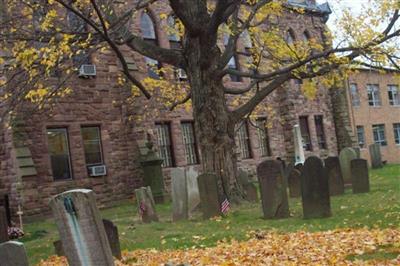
x: 249, y: 189
x: 3, y: 225
x: 209, y: 199
x: 315, y: 189
x: 359, y: 173
x: 345, y: 157
x: 294, y: 183
x: 12, y: 253
x: 179, y: 193
x: 273, y: 190
x: 376, y: 156
x: 113, y: 238
x: 336, y: 184
x: 58, y: 248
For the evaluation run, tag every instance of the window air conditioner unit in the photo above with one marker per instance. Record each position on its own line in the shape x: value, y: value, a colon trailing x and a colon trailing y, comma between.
x: 98, y: 170
x: 87, y: 70
x: 181, y: 74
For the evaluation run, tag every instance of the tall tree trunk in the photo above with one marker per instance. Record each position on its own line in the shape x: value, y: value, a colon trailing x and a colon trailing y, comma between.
x: 215, y: 127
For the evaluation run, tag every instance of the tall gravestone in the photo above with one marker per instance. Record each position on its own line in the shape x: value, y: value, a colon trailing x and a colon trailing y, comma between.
x: 13, y: 253
x: 273, y: 190
x: 360, y: 176
x: 209, y: 198
x: 146, y: 205
x: 113, y: 238
x: 81, y: 229
x: 336, y: 184
x: 180, y: 209
x: 3, y: 225
x: 376, y: 156
x: 345, y: 157
x: 294, y: 183
x: 250, y: 190
x: 192, y: 188
x: 315, y: 189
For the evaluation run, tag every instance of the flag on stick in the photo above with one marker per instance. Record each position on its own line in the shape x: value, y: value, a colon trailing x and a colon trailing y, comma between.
x: 225, y: 206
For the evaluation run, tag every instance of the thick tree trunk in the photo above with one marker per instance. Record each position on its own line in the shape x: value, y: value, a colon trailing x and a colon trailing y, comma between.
x: 215, y: 127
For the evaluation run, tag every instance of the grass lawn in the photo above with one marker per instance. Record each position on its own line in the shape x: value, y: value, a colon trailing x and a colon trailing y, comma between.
x: 378, y: 209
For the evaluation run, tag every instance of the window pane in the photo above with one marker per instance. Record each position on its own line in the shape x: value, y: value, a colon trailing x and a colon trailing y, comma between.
x: 361, y: 136
x: 147, y: 27
x: 319, y: 127
x: 189, y: 141
x: 394, y: 95
x: 244, y: 141
x: 92, y: 145
x: 305, y: 133
x: 396, y: 128
x: 59, y: 153
x: 373, y: 95
x: 263, y: 137
x: 379, y: 134
x: 355, y: 97
x: 164, y: 144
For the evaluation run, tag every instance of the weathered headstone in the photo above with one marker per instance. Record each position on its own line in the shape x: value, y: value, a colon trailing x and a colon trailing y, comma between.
x: 209, y: 198
x: 180, y: 210
x: 113, y: 238
x: 58, y: 248
x: 345, y: 157
x: 360, y: 176
x: 146, y: 205
x: 250, y: 190
x: 298, y: 145
x: 376, y: 156
x: 12, y: 253
x: 81, y: 229
x: 273, y: 190
x: 336, y: 184
x: 3, y: 225
x: 294, y: 183
x: 192, y: 188
x: 315, y: 189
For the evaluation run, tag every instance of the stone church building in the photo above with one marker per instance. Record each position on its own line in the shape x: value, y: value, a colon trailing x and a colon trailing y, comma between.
x: 91, y: 139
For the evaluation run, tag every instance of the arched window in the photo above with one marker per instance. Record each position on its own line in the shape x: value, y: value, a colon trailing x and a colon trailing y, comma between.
x: 173, y: 35
x: 306, y: 36
x: 290, y: 37
x: 149, y: 36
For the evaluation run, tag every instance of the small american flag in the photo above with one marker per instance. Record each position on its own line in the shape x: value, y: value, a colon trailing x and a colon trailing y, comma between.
x: 225, y: 206
x: 142, y: 208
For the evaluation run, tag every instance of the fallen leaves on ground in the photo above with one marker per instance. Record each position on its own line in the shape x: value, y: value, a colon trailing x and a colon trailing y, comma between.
x: 298, y: 248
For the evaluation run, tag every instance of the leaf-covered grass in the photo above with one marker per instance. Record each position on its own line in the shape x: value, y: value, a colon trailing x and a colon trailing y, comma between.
x: 378, y: 209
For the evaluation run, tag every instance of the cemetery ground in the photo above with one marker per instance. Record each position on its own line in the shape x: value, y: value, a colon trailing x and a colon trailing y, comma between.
x: 364, y: 215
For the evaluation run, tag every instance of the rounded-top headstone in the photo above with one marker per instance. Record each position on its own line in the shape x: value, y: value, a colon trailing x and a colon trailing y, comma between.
x: 345, y: 157
x: 336, y: 184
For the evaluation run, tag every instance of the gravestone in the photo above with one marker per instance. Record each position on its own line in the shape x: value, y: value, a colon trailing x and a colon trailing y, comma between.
x: 3, y: 225
x: 209, y: 199
x: 13, y: 253
x: 192, y: 188
x: 376, y: 156
x: 179, y: 193
x: 336, y: 184
x: 345, y: 157
x: 58, y: 248
x: 81, y: 229
x: 273, y: 190
x: 315, y: 189
x: 113, y: 238
x: 146, y: 205
x: 359, y: 173
x: 294, y: 183
x: 153, y: 176
x: 250, y: 190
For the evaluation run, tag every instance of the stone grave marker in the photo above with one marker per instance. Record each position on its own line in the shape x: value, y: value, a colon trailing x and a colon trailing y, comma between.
x: 58, y: 248
x: 336, y: 184
x: 3, y: 225
x: 315, y: 189
x: 376, y: 156
x: 146, y: 205
x: 250, y: 190
x: 273, y: 190
x: 13, y: 253
x: 192, y: 188
x: 294, y: 183
x: 359, y: 173
x: 180, y: 210
x: 209, y: 198
x: 81, y: 229
x: 345, y: 157
x: 113, y: 238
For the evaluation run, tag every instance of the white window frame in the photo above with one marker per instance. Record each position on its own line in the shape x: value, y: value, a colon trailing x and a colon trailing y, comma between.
x: 379, y: 134
x: 361, y: 140
x: 374, y: 98
x: 396, y: 129
x: 165, y: 145
x: 189, y: 141
x: 394, y: 95
x: 354, y: 95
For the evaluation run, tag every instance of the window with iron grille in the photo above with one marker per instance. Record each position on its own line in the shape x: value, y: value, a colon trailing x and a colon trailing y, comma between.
x: 361, y: 136
x: 244, y: 141
x: 189, y: 140
x: 149, y: 35
x: 319, y: 128
x: 165, y: 148
x: 379, y: 134
x: 60, y: 158
x: 305, y: 133
x: 92, y: 145
x: 374, y: 98
x: 396, y: 128
x: 263, y: 137
x: 354, y: 94
x: 394, y: 95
